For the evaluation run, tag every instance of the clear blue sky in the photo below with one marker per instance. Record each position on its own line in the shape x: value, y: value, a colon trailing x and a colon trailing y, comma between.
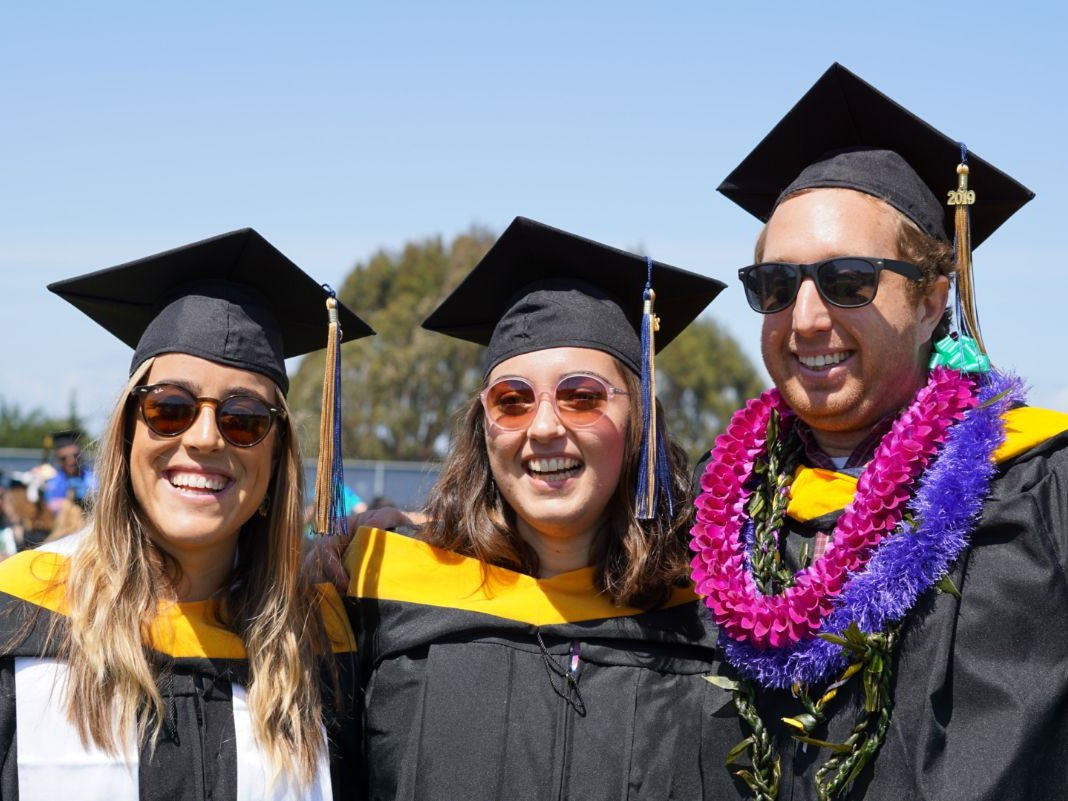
x: 338, y: 128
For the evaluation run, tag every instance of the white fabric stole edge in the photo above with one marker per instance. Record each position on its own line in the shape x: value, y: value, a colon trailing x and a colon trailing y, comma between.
x: 52, y: 761
x: 253, y: 769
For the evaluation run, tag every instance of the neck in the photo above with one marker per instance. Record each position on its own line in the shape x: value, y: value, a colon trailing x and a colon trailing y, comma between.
x: 201, y: 575
x: 839, y: 443
x: 558, y: 551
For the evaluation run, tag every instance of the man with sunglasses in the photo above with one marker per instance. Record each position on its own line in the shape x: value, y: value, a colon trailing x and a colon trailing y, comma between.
x: 883, y: 538
x: 74, y: 480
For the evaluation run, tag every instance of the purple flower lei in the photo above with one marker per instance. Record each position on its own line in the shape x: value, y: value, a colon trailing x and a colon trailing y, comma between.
x: 882, y: 494
x: 947, y: 504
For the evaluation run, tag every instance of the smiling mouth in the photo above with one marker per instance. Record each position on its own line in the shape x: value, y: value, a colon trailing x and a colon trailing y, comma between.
x: 197, y: 482
x: 555, y: 469
x: 824, y: 360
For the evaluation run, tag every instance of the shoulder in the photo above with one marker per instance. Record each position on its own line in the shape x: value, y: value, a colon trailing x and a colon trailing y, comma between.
x: 31, y: 573
x: 32, y: 601
x: 1035, y: 447
x: 1032, y: 431
x: 1028, y: 500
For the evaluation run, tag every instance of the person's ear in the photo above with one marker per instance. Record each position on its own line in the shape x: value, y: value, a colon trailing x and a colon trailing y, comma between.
x: 933, y: 305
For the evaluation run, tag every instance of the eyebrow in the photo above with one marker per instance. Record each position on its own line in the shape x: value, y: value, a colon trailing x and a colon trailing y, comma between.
x: 229, y: 392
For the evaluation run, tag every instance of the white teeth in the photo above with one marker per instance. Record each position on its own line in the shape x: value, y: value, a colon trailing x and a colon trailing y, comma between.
x: 816, y: 362
x: 197, y: 481
x: 554, y: 465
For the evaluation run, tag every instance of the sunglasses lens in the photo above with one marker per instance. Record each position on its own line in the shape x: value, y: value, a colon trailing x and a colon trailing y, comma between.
x: 581, y: 399
x: 848, y: 282
x: 168, y: 410
x: 244, y: 421
x: 510, y: 403
x: 771, y: 287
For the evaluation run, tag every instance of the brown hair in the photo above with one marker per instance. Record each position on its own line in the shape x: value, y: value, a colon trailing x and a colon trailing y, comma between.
x: 636, y: 563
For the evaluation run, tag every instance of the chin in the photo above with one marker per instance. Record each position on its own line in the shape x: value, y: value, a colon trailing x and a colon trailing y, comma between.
x: 197, y: 534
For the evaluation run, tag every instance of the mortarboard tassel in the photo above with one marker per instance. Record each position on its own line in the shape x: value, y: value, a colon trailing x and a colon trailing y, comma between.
x: 653, y: 474
x: 963, y: 348
x: 330, y: 472
x: 963, y: 198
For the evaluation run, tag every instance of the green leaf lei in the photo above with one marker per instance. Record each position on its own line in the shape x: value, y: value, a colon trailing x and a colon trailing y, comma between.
x: 873, y: 653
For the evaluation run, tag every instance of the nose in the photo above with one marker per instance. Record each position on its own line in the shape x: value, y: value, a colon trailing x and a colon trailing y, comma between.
x: 204, y: 434
x: 546, y: 424
x: 811, y: 314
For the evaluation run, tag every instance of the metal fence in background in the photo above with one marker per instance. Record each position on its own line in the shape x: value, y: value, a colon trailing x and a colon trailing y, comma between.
x: 402, y: 484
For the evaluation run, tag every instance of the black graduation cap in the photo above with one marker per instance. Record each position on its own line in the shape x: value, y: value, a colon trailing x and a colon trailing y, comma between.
x: 233, y: 299
x: 539, y: 287
x: 845, y: 133
x: 61, y: 439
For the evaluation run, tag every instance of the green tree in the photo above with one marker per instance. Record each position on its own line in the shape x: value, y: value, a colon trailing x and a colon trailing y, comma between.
x: 702, y: 378
x: 28, y: 429
x: 402, y: 388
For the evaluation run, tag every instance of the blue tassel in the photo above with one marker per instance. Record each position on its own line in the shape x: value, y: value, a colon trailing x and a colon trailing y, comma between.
x: 654, y: 479
x: 339, y: 523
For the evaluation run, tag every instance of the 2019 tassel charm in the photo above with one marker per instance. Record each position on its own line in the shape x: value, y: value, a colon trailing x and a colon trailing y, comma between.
x: 963, y: 199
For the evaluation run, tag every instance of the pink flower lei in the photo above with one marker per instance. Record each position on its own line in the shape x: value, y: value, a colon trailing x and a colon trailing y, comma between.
x: 883, y: 490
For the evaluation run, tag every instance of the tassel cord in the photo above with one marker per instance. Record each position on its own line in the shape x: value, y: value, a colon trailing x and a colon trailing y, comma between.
x: 654, y: 479
x: 329, y: 473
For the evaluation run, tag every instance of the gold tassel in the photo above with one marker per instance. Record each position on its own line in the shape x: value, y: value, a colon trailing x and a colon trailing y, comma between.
x: 324, y: 483
x: 963, y: 199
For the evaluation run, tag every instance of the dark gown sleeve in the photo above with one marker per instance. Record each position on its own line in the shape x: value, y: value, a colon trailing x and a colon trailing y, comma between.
x: 9, y: 780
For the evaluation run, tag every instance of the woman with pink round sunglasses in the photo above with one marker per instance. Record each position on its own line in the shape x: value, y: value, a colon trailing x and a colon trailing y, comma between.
x: 538, y: 637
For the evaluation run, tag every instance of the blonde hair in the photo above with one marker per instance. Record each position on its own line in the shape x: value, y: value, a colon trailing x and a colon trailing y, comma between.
x: 118, y: 577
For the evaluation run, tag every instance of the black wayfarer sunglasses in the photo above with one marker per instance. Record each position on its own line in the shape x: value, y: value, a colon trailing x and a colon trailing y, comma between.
x: 848, y: 282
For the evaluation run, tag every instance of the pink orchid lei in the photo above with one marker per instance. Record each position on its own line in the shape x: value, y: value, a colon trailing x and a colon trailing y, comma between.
x: 883, y: 491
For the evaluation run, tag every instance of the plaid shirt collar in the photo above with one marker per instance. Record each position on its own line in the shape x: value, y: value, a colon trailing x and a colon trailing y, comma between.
x: 861, y: 455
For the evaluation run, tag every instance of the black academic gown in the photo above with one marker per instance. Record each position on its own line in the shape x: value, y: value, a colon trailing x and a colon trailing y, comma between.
x: 981, y: 681
x: 522, y: 688
x: 206, y: 749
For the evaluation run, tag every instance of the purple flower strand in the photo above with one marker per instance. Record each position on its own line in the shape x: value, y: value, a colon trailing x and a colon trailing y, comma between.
x: 749, y: 535
x: 947, y: 503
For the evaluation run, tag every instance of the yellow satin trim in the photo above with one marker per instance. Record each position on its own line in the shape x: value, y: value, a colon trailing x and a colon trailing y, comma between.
x: 816, y: 491
x: 1027, y: 427
x: 392, y: 567
x: 180, y: 630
